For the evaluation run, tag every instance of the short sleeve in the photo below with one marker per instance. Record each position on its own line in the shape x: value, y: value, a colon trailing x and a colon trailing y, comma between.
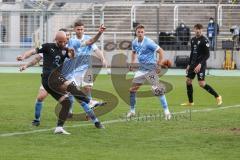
x: 153, y: 46
x: 206, y: 43
x: 133, y: 47
x: 41, y: 49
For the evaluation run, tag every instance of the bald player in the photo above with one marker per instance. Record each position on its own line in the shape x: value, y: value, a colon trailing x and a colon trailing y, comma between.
x: 55, y: 84
x: 42, y: 93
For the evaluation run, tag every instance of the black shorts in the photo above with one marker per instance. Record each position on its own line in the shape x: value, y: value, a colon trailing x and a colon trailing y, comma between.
x: 201, y: 74
x: 52, y: 84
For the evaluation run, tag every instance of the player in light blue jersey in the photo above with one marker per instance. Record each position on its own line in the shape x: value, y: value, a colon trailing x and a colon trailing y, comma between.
x: 73, y: 68
x: 79, y: 68
x: 145, y: 49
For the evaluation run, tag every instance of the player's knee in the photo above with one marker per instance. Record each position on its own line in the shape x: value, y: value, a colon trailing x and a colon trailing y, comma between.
x: 65, y: 101
x: 134, y: 89
x: 201, y: 84
x: 87, y: 89
x: 188, y: 81
x: 41, y: 97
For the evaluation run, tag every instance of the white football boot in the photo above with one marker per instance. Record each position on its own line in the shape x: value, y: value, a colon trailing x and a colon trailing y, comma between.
x: 167, y: 115
x: 60, y: 130
x: 131, y: 114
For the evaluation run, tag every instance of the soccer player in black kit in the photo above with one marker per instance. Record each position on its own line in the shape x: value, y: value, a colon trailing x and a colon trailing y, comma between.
x: 197, y: 65
x: 55, y: 84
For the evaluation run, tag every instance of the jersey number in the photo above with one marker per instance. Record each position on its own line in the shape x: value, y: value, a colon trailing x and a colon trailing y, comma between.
x: 57, y: 60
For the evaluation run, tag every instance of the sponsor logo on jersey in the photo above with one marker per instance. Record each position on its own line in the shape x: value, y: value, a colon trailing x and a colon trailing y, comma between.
x: 52, y: 50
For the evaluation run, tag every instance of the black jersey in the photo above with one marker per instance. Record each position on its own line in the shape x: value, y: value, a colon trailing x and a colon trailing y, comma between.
x: 53, y: 56
x: 199, y: 51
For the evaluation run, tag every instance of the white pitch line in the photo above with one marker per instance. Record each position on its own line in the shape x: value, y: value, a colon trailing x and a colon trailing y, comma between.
x: 112, y: 121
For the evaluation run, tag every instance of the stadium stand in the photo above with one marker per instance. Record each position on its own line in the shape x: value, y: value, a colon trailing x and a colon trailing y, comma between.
x: 36, y: 26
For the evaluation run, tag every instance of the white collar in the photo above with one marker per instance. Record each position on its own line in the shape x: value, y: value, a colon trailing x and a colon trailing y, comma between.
x: 83, y: 36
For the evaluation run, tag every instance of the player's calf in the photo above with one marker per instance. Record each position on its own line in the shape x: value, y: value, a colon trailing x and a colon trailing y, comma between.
x: 159, y: 90
x: 63, y: 114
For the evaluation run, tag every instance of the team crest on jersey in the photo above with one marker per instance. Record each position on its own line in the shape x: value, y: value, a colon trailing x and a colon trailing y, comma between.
x: 64, y: 52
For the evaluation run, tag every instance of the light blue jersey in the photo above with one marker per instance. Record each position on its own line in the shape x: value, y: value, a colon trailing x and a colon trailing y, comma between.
x: 82, y: 60
x: 146, y: 52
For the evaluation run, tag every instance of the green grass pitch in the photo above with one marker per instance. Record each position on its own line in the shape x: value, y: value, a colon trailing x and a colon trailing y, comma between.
x: 212, y: 134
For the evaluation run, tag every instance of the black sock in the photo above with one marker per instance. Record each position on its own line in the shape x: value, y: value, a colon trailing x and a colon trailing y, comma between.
x: 60, y: 123
x: 211, y: 90
x: 190, y: 93
x: 79, y: 95
x: 66, y: 104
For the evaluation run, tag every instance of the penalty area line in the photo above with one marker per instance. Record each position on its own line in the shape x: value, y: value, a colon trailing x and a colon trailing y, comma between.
x: 111, y: 121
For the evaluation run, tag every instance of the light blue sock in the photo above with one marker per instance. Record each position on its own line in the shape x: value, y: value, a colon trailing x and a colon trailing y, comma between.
x: 132, y: 101
x: 71, y: 98
x: 38, y: 109
x: 164, y: 103
x: 89, y: 112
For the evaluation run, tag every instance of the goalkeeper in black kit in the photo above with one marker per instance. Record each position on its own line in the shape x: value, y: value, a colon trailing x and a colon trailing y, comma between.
x: 197, y: 66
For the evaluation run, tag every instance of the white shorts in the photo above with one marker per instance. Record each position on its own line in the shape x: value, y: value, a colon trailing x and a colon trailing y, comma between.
x: 141, y: 76
x: 83, y: 78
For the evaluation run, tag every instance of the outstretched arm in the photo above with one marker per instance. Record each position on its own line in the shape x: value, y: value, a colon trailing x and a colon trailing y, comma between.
x: 96, y: 37
x: 36, y: 59
x: 26, y: 54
